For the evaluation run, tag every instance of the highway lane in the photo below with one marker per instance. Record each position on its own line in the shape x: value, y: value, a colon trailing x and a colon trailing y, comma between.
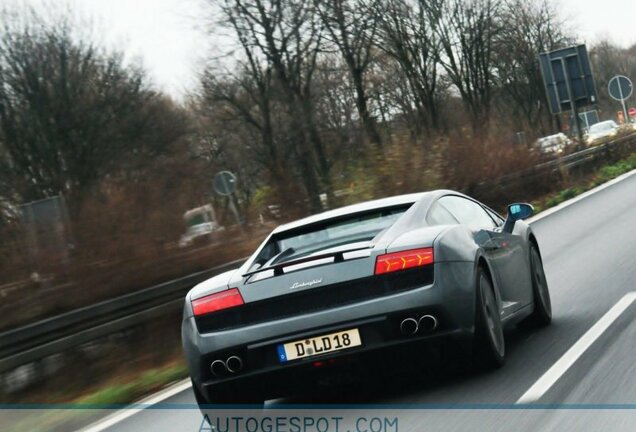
x: 589, y: 251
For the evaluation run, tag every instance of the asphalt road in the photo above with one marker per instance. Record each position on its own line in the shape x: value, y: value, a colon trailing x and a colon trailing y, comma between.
x: 589, y: 251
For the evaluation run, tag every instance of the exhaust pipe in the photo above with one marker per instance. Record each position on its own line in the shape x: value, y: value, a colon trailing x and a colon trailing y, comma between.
x: 409, y: 326
x: 218, y: 367
x: 428, y: 323
x: 234, y: 364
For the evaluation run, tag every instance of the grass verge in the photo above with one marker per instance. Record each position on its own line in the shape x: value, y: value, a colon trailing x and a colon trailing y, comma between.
x: 88, y: 408
x: 136, y: 388
x: 603, y: 175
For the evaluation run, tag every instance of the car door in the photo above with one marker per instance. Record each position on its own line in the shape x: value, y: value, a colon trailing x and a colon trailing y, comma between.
x: 515, y: 264
x: 504, y: 251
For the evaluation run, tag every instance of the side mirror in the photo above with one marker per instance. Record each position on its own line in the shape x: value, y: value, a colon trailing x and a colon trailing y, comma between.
x: 517, y: 211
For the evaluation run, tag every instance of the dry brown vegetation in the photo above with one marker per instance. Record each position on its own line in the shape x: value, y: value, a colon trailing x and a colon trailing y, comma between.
x: 122, y: 240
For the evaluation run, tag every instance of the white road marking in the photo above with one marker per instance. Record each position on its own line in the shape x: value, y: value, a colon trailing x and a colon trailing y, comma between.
x: 186, y: 384
x: 578, y: 198
x: 562, y: 365
x: 126, y: 413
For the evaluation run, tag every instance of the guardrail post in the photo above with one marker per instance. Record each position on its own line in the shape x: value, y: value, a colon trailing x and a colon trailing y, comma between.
x: 563, y: 171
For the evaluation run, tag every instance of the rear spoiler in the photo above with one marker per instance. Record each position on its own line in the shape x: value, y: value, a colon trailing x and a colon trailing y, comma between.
x: 278, y: 268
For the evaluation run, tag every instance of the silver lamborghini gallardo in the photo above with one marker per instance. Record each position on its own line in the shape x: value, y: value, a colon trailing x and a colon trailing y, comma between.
x: 357, y: 283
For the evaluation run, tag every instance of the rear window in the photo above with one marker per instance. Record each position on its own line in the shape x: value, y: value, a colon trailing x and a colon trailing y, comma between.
x: 196, y: 220
x: 356, y: 228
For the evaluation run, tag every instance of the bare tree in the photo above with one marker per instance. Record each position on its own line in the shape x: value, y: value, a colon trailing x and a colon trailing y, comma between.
x: 532, y: 28
x: 246, y: 98
x: 71, y: 113
x: 609, y: 60
x: 467, y: 31
x: 408, y: 37
x: 244, y: 110
x: 332, y: 78
x: 288, y: 36
x: 352, y: 26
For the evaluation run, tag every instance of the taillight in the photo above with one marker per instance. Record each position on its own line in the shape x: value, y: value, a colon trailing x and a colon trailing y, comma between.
x: 216, y: 302
x: 403, y: 260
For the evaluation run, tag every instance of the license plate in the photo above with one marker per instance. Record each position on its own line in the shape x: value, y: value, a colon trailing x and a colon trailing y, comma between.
x: 319, y: 345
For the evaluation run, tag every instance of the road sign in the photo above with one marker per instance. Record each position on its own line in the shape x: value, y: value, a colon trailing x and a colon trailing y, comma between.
x: 47, y: 231
x: 568, y: 79
x: 225, y: 183
x: 588, y: 118
x: 569, y: 83
x: 620, y: 88
x: 632, y: 112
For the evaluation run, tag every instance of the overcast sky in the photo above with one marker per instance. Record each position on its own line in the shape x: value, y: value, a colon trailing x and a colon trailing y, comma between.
x: 168, y: 35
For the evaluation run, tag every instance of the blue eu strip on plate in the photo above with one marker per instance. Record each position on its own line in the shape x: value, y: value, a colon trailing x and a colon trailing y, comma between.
x: 282, y: 357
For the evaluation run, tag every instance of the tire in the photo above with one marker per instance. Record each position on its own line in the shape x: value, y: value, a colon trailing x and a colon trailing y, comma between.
x: 489, y: 344
x: 207, y: 409
x: 542, y: 314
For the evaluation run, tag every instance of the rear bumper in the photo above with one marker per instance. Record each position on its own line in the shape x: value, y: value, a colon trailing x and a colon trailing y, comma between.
x: 450, y: 299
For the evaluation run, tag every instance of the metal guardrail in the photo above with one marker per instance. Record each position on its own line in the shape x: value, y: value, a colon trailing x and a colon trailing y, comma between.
x: 604, y: 152
x: 50, y: 336
x: 53, y: 335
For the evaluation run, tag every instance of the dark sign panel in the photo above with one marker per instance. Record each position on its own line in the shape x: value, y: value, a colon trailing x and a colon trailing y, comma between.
x: 48, y: 235
x: 568, y: 79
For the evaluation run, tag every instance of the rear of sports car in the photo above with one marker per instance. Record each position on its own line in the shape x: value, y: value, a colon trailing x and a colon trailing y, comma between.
x: 320, y: 296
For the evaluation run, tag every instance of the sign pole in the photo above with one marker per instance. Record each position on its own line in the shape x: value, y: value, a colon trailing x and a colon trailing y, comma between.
x: 617, y: 92
x: 620, y: 91
x: 225, y: 185
x: 233, y: 208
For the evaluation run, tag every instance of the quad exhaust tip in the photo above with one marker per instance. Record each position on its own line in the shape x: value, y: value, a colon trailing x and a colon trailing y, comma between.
x: 234, y: 364
x: 218, y: 367
x: 427, y: 323
x: 409, y: 326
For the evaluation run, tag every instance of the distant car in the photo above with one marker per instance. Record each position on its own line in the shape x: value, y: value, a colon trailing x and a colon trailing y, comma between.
x: 553, y: 144
x: 199, y: 233
x: 201, y: 226
x: 602, y: 131
x: 367, y: 283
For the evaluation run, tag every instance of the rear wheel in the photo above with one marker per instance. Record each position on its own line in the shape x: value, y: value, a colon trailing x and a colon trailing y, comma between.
x: 489, y: 343
x: 542, y: 314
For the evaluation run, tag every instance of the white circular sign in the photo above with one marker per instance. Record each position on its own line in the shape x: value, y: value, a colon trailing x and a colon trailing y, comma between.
x: 620, y: 88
